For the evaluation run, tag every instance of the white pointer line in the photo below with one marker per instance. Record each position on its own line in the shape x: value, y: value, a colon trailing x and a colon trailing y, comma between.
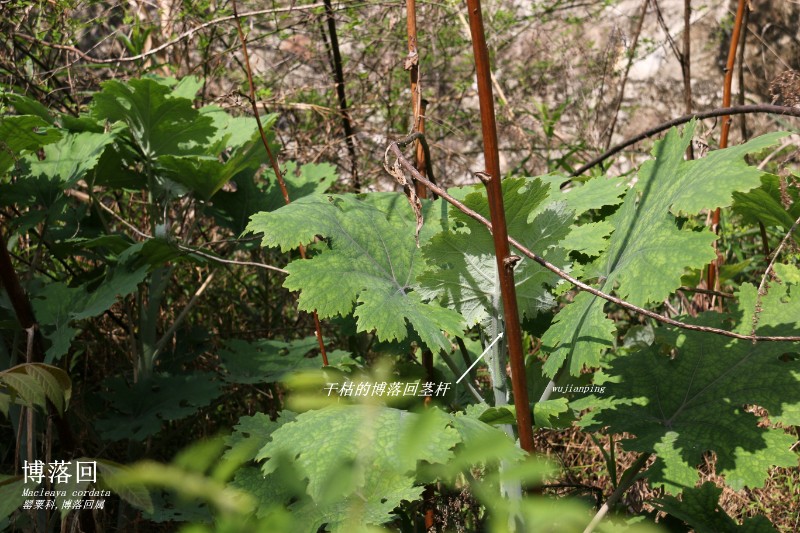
x: 499, y: 336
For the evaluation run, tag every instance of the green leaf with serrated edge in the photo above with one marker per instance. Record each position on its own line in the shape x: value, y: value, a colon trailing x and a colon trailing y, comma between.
x: 24, y: 105
x: 588, y: 239
x: 354, y: 460
x: 56, y: 305
x: 267, y: 361
x: 11, y: 498
x: 718, y: 168
x: 158, y: 122
x: 249, y: 198
x: 647, y: 253
x: 772, y: 204
x: 580, y: 332
x: 121, y: 280
x: 787, y: 273
x: 254, y: 432
x: 583, y: 196
x: 187, y: 87
x: 682, y: 407
x: 464, y: 274
x: 765, y: 204
x: 550, y: 413
x: 145, y: 405
x: 779, y: 307
x: 268, y: 490
x: 205, y: 175
x: 545, y: 414
x: 53, y: 306
x: 35, y: 383
x: 372, y: 261
x: 69, y: 159
x: 22, y: 133
x: 699, y: 508
x: 233, y: 132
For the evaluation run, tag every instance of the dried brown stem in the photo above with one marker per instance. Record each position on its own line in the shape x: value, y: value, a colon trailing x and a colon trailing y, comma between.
x: 713, y: 267
x: 273, y: 160
x: 494, y: 193
x: 21, y: 303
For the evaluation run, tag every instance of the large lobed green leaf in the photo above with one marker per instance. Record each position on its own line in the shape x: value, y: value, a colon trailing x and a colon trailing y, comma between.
x: 700, y: 509
x: 647, y: 253
x: 267, y: 361
x: 372, y: 261
x: 158, y: 121
x: 359, y: 460
x: 19, y: 134
x: 35, y: 384
x: 684, y: 406
x: 143, y: 407
x: 463, y: 270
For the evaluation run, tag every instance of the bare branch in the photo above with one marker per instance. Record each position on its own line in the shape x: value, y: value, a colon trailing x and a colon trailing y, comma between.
x: 735, y: 110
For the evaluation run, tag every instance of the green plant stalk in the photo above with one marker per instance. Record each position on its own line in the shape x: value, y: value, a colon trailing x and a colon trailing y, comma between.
x: 627, y: 480
x: 148, y: 319
x: 497, y: 371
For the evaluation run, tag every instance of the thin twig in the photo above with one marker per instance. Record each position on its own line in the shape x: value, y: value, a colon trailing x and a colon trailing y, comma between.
x: 183, y: 314
x: 631, y: 57
x: 185, y: 35
x: 628, y: 479
x: 409, y: 167
x: 686, y: 65
x: 764, y: 278
x: 189, y: 249
x: 344, y: 112
x: 194, y: 251
x: 735, y: 110
x: 273, y: 160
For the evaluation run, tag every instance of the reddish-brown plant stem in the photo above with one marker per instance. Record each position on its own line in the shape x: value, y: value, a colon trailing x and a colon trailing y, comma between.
x: 20, y: 302
x: 505, y: 263
x: 742, y: 47
x: 409, y: 167
x: 418, y: 125
x: 412, y: 60
x: 27, y: 320
x: 273, y: 160
x: 421, y: 160
x: 743, y: 122
x: 713, y: 268
x: 735, y: 110
x: 418, y: 105
x: 344, y: 112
